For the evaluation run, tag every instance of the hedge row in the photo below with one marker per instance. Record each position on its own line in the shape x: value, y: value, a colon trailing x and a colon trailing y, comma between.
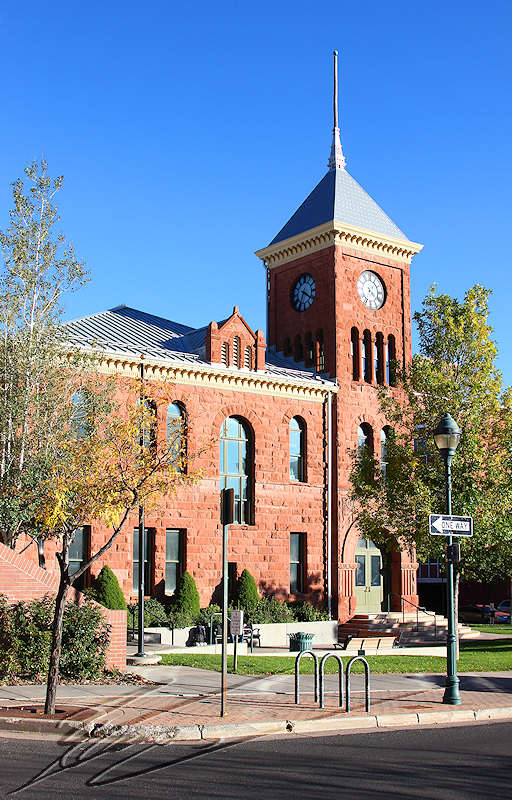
x: 25, y: 640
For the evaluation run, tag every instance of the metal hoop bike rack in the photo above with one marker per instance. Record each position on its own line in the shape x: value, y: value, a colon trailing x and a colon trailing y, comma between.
x: 366, y: 681
x: 322, y: 676
x: 297, y: 666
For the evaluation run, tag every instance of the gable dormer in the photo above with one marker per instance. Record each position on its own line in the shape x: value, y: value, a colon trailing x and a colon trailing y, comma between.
x: 232, y: 343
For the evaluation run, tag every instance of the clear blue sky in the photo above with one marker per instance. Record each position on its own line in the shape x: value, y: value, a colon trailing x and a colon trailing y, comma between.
x: 188, y: 134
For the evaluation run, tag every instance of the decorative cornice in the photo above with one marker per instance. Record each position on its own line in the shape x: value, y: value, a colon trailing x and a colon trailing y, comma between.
x: 212, y: 377
x: 341, y: 235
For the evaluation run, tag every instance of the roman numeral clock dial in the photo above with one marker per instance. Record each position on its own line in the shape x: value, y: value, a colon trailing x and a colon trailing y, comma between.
x: 303, y: 292
x: 371, y: 290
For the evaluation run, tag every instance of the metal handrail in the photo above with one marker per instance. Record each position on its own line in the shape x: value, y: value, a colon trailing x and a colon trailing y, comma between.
x: 414, y: 605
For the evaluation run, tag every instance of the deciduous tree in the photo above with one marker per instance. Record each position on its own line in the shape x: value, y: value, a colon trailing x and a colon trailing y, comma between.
x: 455, y: 371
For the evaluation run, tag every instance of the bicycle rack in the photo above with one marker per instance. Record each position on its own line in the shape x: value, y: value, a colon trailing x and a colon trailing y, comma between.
x: 366, y: 681
x: 297, y: 666
x: 340, y: 676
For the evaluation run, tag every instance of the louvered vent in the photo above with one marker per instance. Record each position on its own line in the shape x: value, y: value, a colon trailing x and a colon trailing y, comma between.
x: 248, y: 357
x: 224, y: 353
x: 236, y: 351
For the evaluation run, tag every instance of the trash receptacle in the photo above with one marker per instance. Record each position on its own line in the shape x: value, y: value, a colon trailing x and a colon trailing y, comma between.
x: 301, y: 641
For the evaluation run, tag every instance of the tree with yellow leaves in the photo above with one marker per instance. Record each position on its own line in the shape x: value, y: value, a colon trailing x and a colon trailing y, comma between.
x: 106, y: 462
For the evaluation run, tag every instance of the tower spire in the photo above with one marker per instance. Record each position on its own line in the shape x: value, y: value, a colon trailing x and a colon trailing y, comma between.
x: 336, y: 159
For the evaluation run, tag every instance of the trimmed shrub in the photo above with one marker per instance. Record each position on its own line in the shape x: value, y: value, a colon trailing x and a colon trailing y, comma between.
x: 85, y: 635
x: 107, y: 590
x: 205, y: 615
x: 246, y: 594
x: 270, y: 610
x: 155, y: 615
x: 305, y: 612
x: 186, y: 600
x: 25, y: 636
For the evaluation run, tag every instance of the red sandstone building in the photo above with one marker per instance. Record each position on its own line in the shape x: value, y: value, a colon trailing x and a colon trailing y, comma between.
x: 283, y: 414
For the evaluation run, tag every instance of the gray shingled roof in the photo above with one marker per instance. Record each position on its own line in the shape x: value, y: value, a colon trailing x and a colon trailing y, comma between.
x: 124, y: 330
x: 339, y: 197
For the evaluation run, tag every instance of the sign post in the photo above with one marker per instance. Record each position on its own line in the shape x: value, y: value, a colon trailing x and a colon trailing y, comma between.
x: 450, y: 525
x: 227, y: 502
x: 236, y: 629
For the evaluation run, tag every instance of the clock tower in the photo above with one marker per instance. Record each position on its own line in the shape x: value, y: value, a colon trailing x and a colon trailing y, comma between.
x: 338, y: 303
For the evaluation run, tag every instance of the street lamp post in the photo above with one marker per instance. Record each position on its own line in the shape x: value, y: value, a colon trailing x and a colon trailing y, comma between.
x: 142, y: 526
x: 447, y: 437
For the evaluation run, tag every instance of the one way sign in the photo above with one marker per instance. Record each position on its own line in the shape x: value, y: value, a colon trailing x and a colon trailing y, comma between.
x: 445, y: 525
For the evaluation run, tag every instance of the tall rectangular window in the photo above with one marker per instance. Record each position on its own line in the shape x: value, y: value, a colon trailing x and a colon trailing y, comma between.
x: 78, y: 553
x: 148, y: 560
x: 174, y: 559
x: 297, y: 562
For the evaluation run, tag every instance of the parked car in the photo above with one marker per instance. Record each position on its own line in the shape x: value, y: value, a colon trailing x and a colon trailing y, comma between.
x: 481, y: 614
x: 504, y: 606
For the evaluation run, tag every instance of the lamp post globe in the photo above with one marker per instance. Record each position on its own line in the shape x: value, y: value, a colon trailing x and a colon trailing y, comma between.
x: 447, y: 437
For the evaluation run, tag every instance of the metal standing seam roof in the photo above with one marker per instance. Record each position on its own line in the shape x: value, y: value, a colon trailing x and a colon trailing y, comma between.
x: 125, y: 330
x: 339, y: 197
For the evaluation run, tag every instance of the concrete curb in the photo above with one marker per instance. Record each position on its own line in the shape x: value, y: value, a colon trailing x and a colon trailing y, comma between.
x: 163, y: 734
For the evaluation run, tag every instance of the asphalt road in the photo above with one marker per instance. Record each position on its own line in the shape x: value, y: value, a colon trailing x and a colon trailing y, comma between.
x: 463, y: 762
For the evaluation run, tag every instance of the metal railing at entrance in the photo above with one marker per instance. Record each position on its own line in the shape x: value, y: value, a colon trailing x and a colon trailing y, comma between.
x: 403, y: 601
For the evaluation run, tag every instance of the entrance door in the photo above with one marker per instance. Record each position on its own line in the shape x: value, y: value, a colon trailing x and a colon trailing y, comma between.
x: 368, y: 578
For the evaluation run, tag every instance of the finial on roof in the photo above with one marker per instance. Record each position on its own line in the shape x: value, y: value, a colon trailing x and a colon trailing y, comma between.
x: 336, y: 159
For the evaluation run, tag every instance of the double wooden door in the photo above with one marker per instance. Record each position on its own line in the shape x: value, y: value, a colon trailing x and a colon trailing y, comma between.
x: 368, y: 578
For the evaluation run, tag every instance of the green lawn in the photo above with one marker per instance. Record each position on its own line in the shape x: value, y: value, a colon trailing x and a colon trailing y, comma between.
x: 475, y: 656
x: 493, y: 628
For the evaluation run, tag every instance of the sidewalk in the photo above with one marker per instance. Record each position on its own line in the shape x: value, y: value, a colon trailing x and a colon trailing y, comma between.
x: 185, y: 705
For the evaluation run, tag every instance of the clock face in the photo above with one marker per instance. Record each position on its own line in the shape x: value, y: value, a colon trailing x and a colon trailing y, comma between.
x: 303, y: 292
x: 371, y: 290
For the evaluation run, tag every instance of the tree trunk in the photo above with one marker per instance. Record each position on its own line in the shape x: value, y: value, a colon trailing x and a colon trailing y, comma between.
x: 53, y: 670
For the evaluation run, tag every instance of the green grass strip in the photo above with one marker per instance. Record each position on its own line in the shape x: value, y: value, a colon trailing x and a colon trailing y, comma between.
x: 493, y: 628
x: 475, y: 656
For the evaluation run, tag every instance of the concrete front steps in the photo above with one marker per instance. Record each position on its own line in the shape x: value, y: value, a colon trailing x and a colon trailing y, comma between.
x: 409, y: 629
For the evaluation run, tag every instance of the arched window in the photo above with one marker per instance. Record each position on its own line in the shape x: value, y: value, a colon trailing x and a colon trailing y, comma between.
x: 391, y: 361
x: 248, y: 357
x: 147, y: 422
x: 297, y: 449
x: 299, y: 350
x: 287, y: 347
x: 355, y: 353
x: 379, y: 358
x: 236, y: 351
x: 81, y: 414
x: 224, y: 353
x: 176, y: 437
x: 367, y: 356
x: 383, y: 451
x: 320, y: 353
x: 236, y: 465
x: 364, y: 437
x: 310, y: 349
